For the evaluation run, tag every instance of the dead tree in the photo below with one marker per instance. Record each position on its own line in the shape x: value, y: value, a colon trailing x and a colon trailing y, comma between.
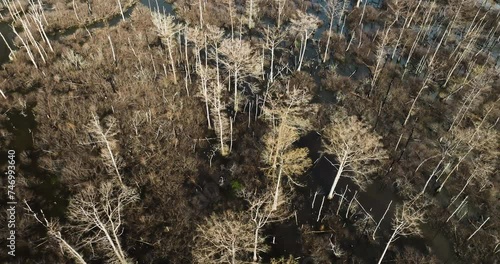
x: 222, y: 122
x: 281, y: 8
x: 104, y: 135
x: 380, y: 55
x: 261, y: 214
x: 273, y: 37
x: 224, y: 238
x: 425, y: 83
x: 241, y: 61
x: 357, y: 148
x: 54, y: 232
x: 98, y: 217
x: 232, y: 11
x: 252, y: 12
x: 167, y: 29
x: 304, y: 25
x: 331, y: 10
x: 285, y: 115
x: 406, y: 222
x: 473, y: 142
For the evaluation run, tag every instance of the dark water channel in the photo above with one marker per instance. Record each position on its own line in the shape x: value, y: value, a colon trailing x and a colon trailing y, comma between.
x: 8, y: 34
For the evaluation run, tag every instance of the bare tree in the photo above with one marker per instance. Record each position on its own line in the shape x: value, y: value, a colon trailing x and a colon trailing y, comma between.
x: 54, y: 232
x: 406, y: 222
x: 281, y: 8
x: 31, y: 20
x: 241, y: 60
x: 304, y: 25
x: 104, y: 135
x: 222, y: 122
x: 331, y: 10
x: 232, y: 11
x: 224, y: 238
x: 425, y: 83
x: 205, y: 74
x: 287, y: 123
x: 98, y: 215
x: 358, y: 149
x: 252, y: 10
x: 274, y: 37
x: 167, y: 29
x: 472, y: 142
x: 286, y: 161
x: 261, y: 214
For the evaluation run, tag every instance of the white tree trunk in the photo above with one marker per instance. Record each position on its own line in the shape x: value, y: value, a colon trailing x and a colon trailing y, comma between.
x: 329, y: 37
x: 388, y: 244
x: 453, y: 170
x: 236, y: 91
x: 458, y: 208
x: 478, y: 228
x: 461, y: 191
x: 255, y: 242
x: 337, y: 177
x: 250, y: 13
x: 121, y: 9
x: 271, y: 77
x: 172, y: 62
x: 320, y: 208
x: 383, y: 216
x: 276, y: 193
x: 201, y: 13
x: 424, y: 85
x: 221, y: 135
x: 342, y: 199
x: 303, y: 51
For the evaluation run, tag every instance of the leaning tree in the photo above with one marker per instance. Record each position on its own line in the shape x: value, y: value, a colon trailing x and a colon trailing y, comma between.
x: 358, y: 149
x: 406, y: 222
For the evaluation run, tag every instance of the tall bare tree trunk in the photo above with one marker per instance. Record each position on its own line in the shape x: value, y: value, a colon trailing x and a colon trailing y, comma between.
x: 276, y: 193
x: 337, y: 177
x: 329, y: 37
x: 201, y: 13
x: 302, y: 51
x: 394, y: 233
x: 172, y: 62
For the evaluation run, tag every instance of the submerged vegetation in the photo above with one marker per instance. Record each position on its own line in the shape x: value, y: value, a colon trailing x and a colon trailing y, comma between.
x: 252, y: 131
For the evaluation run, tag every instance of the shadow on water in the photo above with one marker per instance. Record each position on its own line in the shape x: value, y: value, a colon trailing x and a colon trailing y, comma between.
x: 8, y: 34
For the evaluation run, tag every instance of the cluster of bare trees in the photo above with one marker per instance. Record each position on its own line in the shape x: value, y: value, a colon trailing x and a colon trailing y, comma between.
x: 234, y: 71
x: 96, y: 215
x: 33, y: 22
x: 229, y: 237
x: 96, y: 212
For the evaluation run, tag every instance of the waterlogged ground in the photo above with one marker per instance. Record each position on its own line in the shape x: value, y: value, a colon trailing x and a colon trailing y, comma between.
x: 284, y: 238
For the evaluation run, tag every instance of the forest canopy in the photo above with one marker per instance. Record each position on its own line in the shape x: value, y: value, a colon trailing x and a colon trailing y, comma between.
x: 250, y: 131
